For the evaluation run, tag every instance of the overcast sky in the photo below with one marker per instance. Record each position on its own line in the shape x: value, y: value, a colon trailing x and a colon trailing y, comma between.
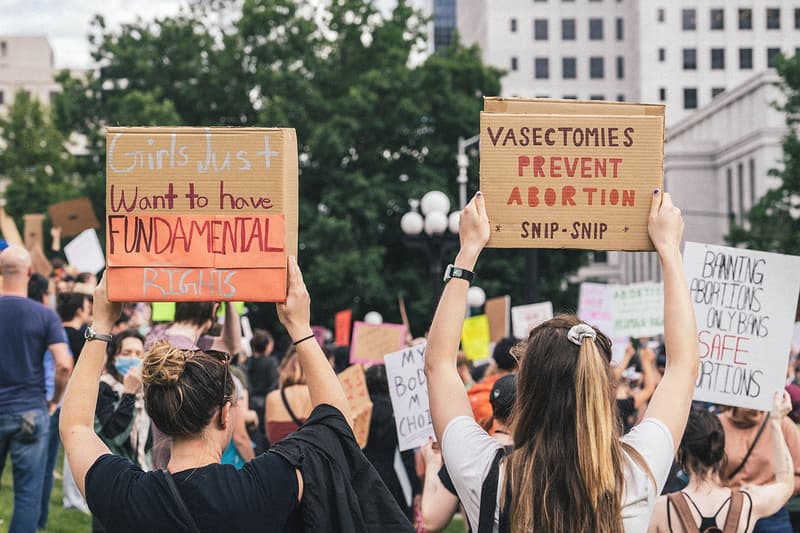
x: 66, y: 22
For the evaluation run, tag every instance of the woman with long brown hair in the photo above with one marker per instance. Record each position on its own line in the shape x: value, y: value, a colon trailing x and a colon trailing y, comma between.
x: 569, y: 470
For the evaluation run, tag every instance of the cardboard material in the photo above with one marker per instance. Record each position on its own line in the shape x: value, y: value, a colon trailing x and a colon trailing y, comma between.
x: 41, y: 265
x: 9, y: 230
x: 408, y: 390
x: 354, y: 384
x: 498, y: 312
x: 211, y: 208
x: 527, y: 317
x: 475, y: 337
x: 341, y: 327
x: 73, y: 216
x: 33, y: 231
x: 638, y: 309
x: 85, y: 253
x: 372, y: 341
x: 554, y: 176
x: 569, y: 107
x: 744, y: 303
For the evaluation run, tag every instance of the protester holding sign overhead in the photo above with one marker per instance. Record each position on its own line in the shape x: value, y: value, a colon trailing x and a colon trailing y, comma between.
x: 189, y: 394
x: 568, y: 458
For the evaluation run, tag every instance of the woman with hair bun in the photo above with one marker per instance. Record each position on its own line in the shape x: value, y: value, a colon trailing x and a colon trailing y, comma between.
x: 570, y: 469
x: 189, y: 394
x: 706, y: 504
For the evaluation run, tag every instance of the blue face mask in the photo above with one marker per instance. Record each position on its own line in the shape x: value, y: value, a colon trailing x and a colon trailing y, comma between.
x: 123, y: 363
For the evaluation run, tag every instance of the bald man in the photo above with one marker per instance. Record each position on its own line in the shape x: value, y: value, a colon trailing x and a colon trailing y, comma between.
x: 27, y: 330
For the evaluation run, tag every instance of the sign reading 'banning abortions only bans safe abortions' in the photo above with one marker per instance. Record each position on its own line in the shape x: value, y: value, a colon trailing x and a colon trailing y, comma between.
x: 566, y: 174
x: 197, y: 214
x: 744, y: 303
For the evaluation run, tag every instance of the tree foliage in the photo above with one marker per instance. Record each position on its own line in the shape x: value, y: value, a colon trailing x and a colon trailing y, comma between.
x: 774, y: 221
x: 373, y: 130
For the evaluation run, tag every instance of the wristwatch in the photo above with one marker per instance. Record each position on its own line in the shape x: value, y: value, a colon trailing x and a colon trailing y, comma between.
x: 91, y: 335
x: 453, y: 271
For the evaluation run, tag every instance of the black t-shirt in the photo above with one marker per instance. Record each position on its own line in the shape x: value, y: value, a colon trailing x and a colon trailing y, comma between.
x: 261, y: 497
x: 627, y: 413
x: 76, y: 340
x: 262, y: 372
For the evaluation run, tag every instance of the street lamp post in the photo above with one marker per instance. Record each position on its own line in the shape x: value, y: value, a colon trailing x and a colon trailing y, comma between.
x: 433, y: 230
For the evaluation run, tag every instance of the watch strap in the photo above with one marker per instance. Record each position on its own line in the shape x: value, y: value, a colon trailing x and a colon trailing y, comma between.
x: 454, y: 272
x: 92, y: 335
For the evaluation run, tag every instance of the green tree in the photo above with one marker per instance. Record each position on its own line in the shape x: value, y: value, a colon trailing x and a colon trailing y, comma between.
x: 775, y: 218
x: 33, y: 155
x: 372, y: 129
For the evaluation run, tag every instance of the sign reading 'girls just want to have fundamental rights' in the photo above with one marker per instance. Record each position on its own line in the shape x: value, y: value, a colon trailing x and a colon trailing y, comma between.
x: 566, y: 174
x: 197, y: 214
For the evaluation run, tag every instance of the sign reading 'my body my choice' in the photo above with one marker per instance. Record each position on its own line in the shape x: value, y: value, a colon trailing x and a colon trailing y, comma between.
x: 744, y: 303
x: 408, y: 389
x: 197, y: 214
x: 570, y: 174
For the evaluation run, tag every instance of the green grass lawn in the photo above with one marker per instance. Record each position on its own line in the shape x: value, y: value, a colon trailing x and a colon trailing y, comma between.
x: 60, y: 520
x: 69, y: 520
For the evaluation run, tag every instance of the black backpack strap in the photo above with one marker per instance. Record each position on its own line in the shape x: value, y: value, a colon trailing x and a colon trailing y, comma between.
x: 750, y: 450
x: 489, y: 495
x: 183, y: 511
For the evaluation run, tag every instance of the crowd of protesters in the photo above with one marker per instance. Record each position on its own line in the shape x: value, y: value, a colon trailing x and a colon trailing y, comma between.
x: 190, y: 425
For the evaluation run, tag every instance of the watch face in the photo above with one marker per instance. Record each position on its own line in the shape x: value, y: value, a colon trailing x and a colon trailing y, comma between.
x: 88, y: 334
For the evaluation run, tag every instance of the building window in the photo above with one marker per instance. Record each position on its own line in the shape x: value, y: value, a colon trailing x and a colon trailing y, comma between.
x: 717, y: 58
x: 746, y: 58
x: 689, y: 59
x: 689, y: 19
x: 596, y: 68
x: 569, y: 68
x: 740, y: 175
x: 662, y: 55
x: 595, y: 29
x: 772, y: 53
x: 620, y: 68
x: 690, y: 98
x: 620, y: 23
x: 660, y: 14
x: 570, y: 96
x: 514, y: 64
x: 620, y: 98
x: 773, y: 18
x: 3, y: 48
x: 540, y: 29
x: 597, y: 97
x: 568, y: 29
x: 662, y: 94
x: 541, y: 67
x: 797, y: 18
x: 745, y: 18
x: 717, y: 19
x: 717, y: 91
x: 2, y: 98
x: 513, y: 25
x: 600, y: 257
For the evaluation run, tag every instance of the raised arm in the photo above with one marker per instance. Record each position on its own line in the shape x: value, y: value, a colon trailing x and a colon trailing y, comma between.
x: 649, y: 377
x: 673, y: 396
x: 446, y: 393
x: 82, y: 445
x: 768, y: 499
x: 295, y: 315
x: 231, y: 339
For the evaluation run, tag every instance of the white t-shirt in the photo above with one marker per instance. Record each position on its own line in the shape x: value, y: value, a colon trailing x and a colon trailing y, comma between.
x: 468, y: 452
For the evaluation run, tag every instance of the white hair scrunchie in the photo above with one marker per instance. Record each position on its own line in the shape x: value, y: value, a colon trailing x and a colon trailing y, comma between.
x: 579, y: 332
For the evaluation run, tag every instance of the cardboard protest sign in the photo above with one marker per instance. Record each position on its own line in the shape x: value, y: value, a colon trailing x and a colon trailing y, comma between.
x: 85, y: 253
x: 497, y: 311
x: 475, y: 337
x: 638, y: 309
x: 372, y: 341
x: 341, y: 327
x: 197, y: 214
x: 527, y: 317
x: 41, y: 265
x: 494, y: 104
x: 73, y: 216
x: 354, y: 384
x: 33, y: 231
x: 744, y: 302
x: 553, y: 178
x: 408, y: 390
